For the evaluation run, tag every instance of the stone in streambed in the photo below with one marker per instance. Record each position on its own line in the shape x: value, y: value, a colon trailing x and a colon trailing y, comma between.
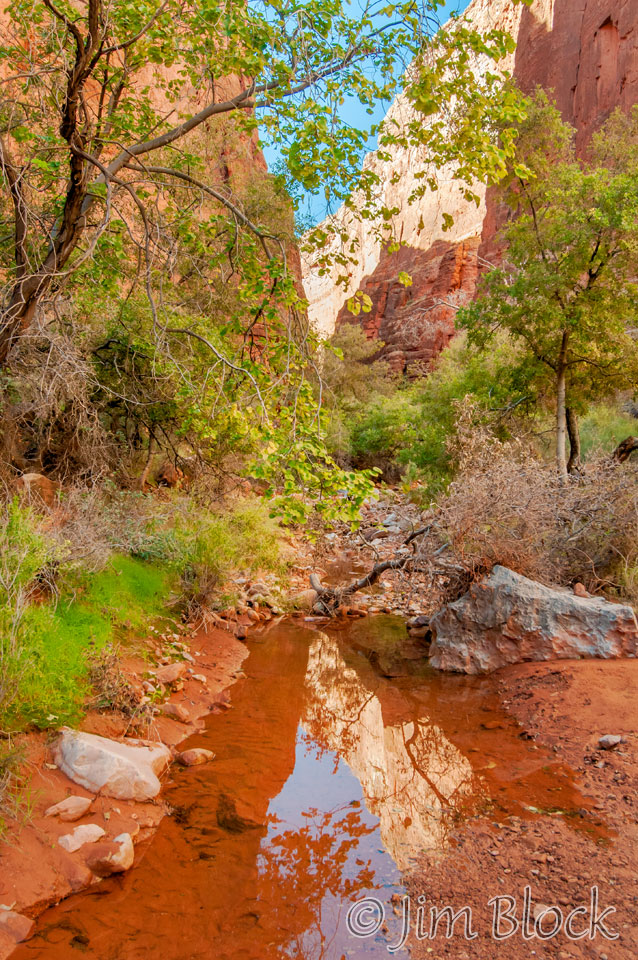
x: 70, y: 809
x: 507, y: 618
x: 125, y: 770
x: 15, y: 925
x: 171, y: 672
x: 305, y: 600
x: 87, y: 833
x: 418, y: 627
x: 115, y: 856
x: 194, y: 756
x: 174, y: 710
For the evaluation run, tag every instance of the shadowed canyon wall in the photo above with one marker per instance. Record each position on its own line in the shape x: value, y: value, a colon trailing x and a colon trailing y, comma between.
x: 585, y: 52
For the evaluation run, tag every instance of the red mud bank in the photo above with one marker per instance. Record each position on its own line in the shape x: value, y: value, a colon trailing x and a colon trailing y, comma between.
x: 35, y: 871
x: 566, y: 706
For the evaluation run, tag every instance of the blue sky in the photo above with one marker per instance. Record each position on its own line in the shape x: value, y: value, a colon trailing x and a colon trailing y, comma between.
x: 356, y: 115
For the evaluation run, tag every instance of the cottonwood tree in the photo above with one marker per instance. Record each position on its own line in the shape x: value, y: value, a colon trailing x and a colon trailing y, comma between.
x: 566, y: 292
x: 115, y: 122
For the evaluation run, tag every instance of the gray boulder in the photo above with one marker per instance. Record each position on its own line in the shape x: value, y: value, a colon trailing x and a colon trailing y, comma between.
x: 507, y: 618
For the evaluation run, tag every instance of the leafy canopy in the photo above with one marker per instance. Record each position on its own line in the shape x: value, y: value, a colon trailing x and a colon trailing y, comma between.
x: 566, y: 292
x: 148, y: 255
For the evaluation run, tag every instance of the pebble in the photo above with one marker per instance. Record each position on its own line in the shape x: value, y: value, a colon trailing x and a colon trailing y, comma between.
x: 115, y: 857
x: 171, y: 672
x: 609, y: 741
x: 175, y: 710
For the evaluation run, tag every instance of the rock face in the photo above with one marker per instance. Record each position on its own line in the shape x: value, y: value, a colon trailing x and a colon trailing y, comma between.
x: 509, y: 619
x: 413, y: 322
x: 586, y: 53
x: 127, y: 771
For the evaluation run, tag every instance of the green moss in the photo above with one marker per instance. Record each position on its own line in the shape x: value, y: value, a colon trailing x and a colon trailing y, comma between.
x: 45, y: 662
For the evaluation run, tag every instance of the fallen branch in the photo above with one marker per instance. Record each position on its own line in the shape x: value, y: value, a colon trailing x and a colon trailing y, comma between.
x: 625, y: 449
x: 329, y: 599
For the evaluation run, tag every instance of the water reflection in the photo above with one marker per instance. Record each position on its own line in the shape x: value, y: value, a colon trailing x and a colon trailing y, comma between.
x: 325, y: 845
x: 413, y: 779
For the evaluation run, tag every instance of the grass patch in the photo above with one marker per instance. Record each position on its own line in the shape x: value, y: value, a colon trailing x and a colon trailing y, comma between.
x: 604, y: 427
x: 57, y: 642
x: 53, y: 653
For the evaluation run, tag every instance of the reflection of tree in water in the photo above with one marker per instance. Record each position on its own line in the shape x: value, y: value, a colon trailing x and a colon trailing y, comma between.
x: 413, y: 778
x: 322, y: 857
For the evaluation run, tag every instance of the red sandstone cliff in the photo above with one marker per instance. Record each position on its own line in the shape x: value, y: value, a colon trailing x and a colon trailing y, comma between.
x: 585, y: 52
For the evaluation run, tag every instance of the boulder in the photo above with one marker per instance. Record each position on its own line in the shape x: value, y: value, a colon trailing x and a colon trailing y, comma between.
x: 87, y: 833
x: 125, y: 770
x: 507, y: 618
x: 70, y: 809
x: 115, y: 856
x: 305, y: 600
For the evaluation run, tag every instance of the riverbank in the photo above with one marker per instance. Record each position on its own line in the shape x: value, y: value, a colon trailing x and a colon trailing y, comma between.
x: 566, y: 706
x: 35, y: 871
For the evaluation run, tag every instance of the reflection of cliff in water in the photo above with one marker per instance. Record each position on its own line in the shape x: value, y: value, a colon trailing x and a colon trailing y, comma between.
x: 413, y: 779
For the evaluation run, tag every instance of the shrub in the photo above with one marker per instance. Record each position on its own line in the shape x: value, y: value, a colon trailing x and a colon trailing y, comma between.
x: 407, y: 432
x: 214, y: 545
x: 506, y: 506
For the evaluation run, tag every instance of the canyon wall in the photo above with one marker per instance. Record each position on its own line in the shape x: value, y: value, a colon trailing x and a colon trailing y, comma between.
x: 585, y: 52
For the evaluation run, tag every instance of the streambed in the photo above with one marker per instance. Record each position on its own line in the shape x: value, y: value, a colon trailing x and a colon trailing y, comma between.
x: 331, y: 778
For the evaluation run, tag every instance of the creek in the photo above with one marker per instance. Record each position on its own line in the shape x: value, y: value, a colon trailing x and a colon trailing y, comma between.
x: 337, y: 767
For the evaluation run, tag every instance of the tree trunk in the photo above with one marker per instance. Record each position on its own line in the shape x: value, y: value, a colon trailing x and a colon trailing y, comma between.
x: 561, y: 424
x: 11, y: 328
x: 573, y: 432
x: 561, y: 417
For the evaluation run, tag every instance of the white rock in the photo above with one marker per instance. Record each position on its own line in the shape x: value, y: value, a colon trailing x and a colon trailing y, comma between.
x: 609, y: 741
x: 124, y: 770
x: 85, y: 833
x: 69, y: 809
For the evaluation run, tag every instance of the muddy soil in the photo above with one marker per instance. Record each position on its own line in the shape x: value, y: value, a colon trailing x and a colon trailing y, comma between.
x: 567, y: 707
